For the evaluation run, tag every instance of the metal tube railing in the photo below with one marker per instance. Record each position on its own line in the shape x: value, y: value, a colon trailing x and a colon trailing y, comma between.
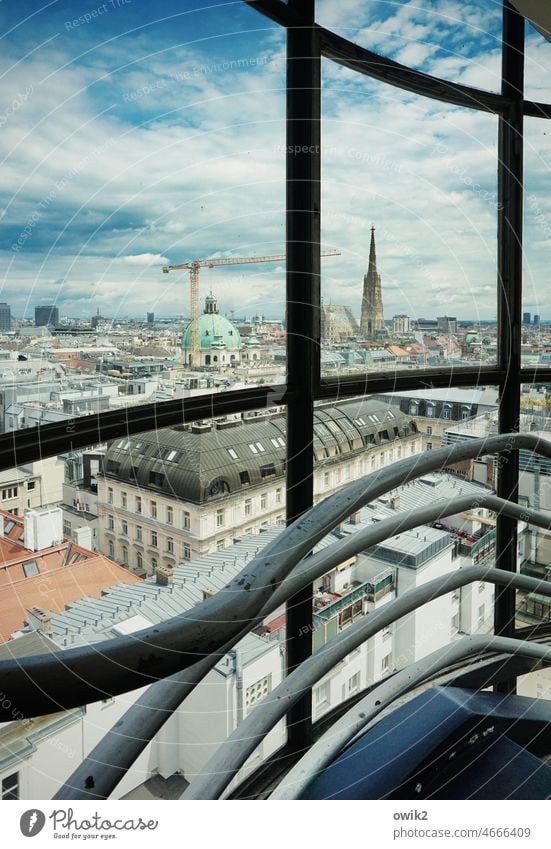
x: 104, y: 767
x: 73, y: 677
x: 356, y: 720
x: 231, y: 756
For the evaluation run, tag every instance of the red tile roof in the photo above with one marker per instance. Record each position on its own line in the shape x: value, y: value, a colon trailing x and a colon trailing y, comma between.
x: 66, y: 572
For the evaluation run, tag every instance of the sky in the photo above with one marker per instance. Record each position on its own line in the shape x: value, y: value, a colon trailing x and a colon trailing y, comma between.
x: 136, y: 134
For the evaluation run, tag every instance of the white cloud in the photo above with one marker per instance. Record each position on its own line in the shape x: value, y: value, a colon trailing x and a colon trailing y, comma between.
x: 146, y: 259
x: 122, y: 175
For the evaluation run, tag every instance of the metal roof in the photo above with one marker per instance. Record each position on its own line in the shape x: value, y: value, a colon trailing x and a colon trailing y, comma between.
x: 199, y: 465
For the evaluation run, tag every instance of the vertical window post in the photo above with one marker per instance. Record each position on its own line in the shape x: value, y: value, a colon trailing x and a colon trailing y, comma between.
x: 510, y: 182
x: 303, y: 314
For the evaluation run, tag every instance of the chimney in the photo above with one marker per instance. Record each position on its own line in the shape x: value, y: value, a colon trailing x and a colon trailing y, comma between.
x: 395, y: 502
x: 355, y: 518
x: 163, y: 576
x: 40, y: 620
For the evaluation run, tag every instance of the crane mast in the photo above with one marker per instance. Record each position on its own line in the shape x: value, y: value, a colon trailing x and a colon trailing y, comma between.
x: 194, y: 267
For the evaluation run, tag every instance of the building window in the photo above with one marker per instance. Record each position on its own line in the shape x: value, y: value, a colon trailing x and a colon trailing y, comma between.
x: 354, y: 683
x: 186, y: 520
x: 154, y: 539
x: 111, y: 523
x: 220, y: 544
x: 66, y: 528
x: 124, y: 500
x: 219, y: 518
x: 10, y: 787
x: 139, y: 560
x: 125, y: 555
x: 153, y: 510
x: 10, y: 492
x: 153, y: 564
x: 31, y: 484
x: 278, y: 496
x: 109, y: 494
x: 170, y: 545
x: 124, y: 528
x: 326, y: 480
x: 258, y: 691
x: 139, y: 535
x: 321, y: 695
x: 245, y: 478
x: 263, y: 501
x: 111, y: 548
x: 138, y: 504
x: 429, y: 430
x: 169, y: 516
x: 429, y: 446
x: 385, y: 664
x: 248, y: 506
x: 187, y: 551
x: 481, y: 614
x: 156, y: 479
x: 268, y: 471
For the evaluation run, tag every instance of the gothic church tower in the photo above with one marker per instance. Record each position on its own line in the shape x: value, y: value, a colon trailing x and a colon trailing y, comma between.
x: 372, y: 301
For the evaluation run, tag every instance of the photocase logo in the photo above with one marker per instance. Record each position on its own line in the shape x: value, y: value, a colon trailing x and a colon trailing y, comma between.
x: 32, y: 822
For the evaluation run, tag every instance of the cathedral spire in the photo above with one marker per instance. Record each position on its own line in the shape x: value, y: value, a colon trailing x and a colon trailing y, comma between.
x: 372, y: 319
x: 372, y: 255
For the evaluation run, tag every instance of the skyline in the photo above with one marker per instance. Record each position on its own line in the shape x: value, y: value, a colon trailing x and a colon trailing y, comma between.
x: 130, y: 142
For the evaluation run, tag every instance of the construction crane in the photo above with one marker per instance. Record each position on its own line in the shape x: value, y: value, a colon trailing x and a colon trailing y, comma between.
x: 194, y: 267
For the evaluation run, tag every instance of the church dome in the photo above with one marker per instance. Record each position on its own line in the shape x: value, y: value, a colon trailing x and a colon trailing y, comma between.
x: 215, y: 330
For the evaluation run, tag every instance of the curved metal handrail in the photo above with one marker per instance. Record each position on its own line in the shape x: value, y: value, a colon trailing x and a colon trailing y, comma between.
x: 232, y: 755
x: 356, y: 720
x: 116, y: 752
x: 73, y: 677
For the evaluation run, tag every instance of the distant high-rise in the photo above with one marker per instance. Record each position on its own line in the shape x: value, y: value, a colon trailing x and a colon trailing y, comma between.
x: 46, y: 315
x: 372, y: 301
x: 447, y: 323
x: 526, y: 318
x: 5, y: 317
x: 536, y: 320
x: 151, y: 318
x: 95, y: 320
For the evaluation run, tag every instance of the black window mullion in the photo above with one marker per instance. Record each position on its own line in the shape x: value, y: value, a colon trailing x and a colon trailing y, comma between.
x: 303, y: 316
x: 510, y: 179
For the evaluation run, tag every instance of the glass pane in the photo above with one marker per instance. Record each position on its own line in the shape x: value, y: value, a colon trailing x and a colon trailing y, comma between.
x: 175, y: 514
x: 534, y: 492
x: 459, y: 42
x: 537, y: 238
x: 537, y: 52
x: 143, y: 140
x: 415, y: 424
x: 409, y: 198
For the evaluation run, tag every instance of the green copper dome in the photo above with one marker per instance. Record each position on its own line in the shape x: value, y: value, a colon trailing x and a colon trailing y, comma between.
x: 214, y: 330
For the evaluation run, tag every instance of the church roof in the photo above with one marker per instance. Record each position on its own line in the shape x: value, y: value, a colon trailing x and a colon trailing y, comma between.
x: 215, y: 330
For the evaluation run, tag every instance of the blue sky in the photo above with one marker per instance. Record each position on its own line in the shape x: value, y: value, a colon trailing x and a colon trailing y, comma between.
x: 135, y: 133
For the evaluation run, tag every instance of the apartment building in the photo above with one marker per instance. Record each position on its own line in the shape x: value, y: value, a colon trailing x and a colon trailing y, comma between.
x: 182, y: 492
